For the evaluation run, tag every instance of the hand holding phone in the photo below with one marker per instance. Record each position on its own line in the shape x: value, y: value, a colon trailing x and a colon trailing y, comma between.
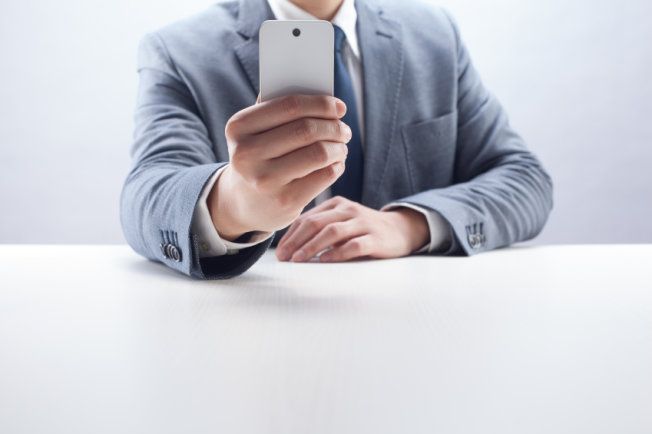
x: 289, y: 147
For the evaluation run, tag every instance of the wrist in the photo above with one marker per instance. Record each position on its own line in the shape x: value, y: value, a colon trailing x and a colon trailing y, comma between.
x: 413, y: 226
x: 223, y: 207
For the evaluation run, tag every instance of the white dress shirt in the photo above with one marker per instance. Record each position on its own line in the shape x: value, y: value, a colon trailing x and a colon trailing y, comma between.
x: 211, y: 244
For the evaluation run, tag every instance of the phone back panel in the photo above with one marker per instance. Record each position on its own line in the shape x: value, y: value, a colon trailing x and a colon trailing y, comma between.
x: 296, y: 57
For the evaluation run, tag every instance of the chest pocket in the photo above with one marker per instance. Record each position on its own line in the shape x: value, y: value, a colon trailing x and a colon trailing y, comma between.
x: 430, y: 152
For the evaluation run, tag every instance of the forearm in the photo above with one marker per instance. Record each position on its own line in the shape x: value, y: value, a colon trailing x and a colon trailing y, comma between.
x: 507, y: 204
x: 501, y: 194
x: 158, y: 201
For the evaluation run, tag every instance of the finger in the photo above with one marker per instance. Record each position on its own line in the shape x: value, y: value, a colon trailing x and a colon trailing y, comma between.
x: 295, y: 135
x: 305, y: 189
x: 306, y: 160
x: 355, y: 248
x: 306, y: 229
x: 297, y: 234
x: 330, y: 236
x: 324, y: 206
x: 265, y: 115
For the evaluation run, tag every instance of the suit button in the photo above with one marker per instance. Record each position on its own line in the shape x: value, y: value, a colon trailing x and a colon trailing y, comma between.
x: 170, y: 251
x: 174, y: 253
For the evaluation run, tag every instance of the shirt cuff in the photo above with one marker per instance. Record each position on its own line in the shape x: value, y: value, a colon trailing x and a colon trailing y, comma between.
x: 210, y: 242
x: 440, y: 230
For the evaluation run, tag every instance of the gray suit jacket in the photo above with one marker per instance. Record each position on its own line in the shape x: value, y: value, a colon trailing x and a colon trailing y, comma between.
x: 435, y: 137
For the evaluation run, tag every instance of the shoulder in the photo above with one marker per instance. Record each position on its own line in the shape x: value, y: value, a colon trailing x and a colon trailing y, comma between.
x: 419, y: 19
x: 221, y: 16
x: 217, y: 19
x: 195, y: 35
x: 429, y: 34
x: 419, y: 10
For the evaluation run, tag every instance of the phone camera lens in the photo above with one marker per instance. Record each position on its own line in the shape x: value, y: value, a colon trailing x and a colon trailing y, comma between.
x: 296, y: 32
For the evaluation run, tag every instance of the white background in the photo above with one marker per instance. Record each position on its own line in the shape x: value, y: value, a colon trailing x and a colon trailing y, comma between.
x: 575, y: 76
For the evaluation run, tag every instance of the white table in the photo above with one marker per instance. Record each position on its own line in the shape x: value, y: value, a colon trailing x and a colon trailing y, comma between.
x: 94, y: 339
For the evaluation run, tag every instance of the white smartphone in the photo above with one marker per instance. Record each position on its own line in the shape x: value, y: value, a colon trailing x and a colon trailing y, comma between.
x: 296, y: 57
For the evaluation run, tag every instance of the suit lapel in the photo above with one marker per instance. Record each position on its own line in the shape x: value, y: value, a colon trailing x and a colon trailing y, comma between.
x: 382, y: 63
x: 247, y: 53
x: 251, y: 14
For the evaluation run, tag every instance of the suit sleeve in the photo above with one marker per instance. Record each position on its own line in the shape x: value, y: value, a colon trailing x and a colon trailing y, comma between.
x: 501, y: 194
x: 173, y: 159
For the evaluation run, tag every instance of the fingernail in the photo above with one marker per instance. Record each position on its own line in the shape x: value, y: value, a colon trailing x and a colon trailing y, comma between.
x: 299, y: 256
x: 341, y: 107
x: 339, y: 168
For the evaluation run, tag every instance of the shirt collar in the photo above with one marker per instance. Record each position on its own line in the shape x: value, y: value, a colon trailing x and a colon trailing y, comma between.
x: 345, y: 18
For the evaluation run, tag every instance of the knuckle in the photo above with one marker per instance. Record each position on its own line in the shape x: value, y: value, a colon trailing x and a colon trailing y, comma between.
x: 356, y: 246
x: 350, y: 208
x: 233, y: 126
x: 331, y: 171
x: 327, y: 104
x: 334, y: 129
x: 333, y: 230
x: 311, y: 223
x: 319, y: 152
x: 306, y: 130
x: 291, y: 105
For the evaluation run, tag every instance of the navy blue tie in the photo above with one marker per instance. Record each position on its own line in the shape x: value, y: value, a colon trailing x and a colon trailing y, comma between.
x: 349, y: 185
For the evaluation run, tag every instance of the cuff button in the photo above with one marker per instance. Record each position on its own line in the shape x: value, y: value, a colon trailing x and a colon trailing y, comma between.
x: 475, y: 241
x: 174, y: 253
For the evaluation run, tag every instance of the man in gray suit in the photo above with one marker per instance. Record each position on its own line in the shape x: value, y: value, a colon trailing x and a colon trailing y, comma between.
x: 412, y: 155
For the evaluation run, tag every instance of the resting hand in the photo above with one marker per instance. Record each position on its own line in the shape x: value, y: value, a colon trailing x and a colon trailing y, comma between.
x: 345, y: 230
